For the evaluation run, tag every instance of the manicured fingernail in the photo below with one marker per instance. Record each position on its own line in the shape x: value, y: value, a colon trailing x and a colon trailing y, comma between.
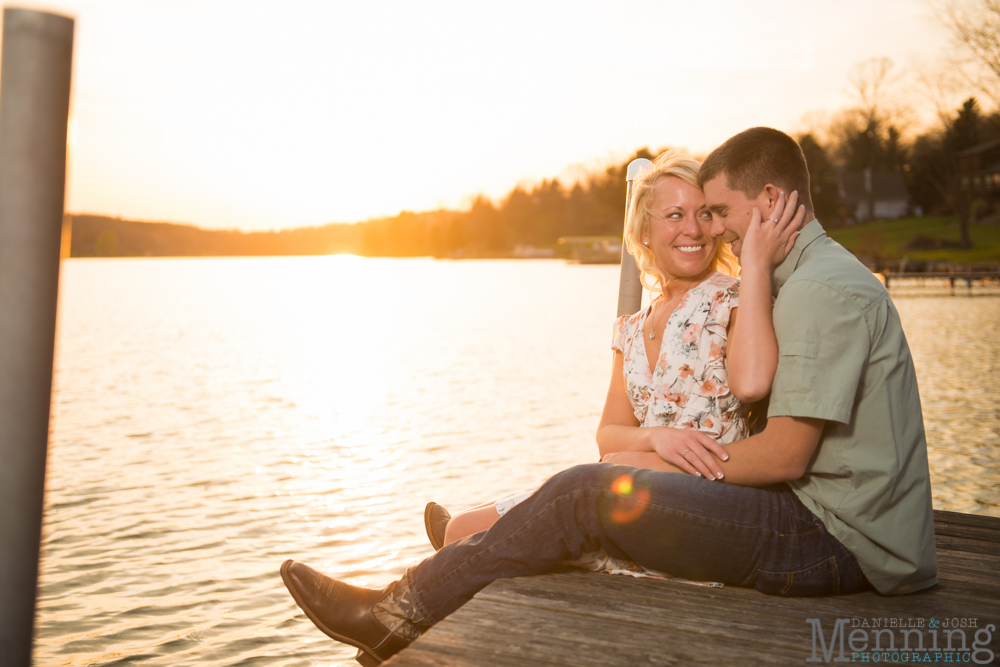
x: 719, y: 475
x: 725, y: 458
x: 698, y: 473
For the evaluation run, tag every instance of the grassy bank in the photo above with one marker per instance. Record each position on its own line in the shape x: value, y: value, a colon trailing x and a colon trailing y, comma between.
x: 914, y: 238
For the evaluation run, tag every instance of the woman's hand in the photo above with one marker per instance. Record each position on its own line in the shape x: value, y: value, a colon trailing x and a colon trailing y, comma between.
x: 768, y: 242
x: 692, y: 451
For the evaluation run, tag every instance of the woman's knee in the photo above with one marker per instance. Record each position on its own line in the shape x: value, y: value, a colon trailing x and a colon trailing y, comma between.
x: 582, y: 476
x: 470, y: 522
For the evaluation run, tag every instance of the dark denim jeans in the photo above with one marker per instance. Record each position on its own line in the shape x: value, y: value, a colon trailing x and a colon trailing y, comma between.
x: 761, y: 538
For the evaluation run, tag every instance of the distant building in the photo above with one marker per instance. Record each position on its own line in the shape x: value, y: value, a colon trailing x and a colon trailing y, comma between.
x: 885, y: 192
x: 979, y: 170
x: 528, y: 251
x: 594, y: 249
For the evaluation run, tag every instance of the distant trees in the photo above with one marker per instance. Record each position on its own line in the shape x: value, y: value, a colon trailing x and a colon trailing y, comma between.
x: 975, y: 30
x: 824, y: 182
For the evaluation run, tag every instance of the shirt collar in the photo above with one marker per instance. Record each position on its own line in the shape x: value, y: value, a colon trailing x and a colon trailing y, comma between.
x: 783, y: 271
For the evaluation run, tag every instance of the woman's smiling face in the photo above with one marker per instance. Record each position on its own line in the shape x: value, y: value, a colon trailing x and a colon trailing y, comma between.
x: 679, y: 227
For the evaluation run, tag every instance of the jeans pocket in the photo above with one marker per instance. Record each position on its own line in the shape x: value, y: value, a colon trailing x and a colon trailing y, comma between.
x: 822, y: 578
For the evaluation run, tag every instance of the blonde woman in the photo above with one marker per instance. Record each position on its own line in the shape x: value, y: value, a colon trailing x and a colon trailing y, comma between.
x: 686, y: 367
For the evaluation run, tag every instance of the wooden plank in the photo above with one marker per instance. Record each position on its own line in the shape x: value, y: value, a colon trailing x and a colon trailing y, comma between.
x: 712, y: 621
x: 986, y: 527
x: 944, y: 600
x: 946, y: 542
x: 490, y: 633
x: 501, y: 628
x: 582, y: 618
x: 964, y: 519
x: 985, y: 535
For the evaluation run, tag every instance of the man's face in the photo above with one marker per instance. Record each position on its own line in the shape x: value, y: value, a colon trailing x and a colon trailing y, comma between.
x: 732, y: 210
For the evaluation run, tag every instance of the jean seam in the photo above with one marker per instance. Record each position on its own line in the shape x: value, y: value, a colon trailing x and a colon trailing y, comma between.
x: 722, y: 523
x: 831, y: 565
x: 415, y: 595
x: 443, y: 581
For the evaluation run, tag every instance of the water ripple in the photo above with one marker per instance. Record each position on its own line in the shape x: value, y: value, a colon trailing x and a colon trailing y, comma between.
x: 212, y: 417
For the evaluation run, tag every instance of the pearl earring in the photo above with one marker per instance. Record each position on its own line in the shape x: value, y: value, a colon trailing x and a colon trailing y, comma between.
x: 645, y: 243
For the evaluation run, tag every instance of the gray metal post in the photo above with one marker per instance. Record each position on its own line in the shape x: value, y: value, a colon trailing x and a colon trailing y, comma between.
x: 34, y: 109
x: 629, y: 287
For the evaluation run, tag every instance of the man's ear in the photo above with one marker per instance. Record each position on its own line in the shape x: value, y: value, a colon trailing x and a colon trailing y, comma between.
x: 770, y: 193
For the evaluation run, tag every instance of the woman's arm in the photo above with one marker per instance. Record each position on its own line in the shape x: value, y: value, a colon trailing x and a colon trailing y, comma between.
x: 752, y: 351
x: 690, y: 450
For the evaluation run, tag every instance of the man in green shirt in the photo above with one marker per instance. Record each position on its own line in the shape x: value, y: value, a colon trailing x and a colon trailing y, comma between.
x: 845, y: 390
x: 832, y: 495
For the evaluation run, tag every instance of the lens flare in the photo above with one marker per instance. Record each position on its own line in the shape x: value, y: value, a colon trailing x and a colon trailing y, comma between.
x: 623, y: 485
x: 630, y: 502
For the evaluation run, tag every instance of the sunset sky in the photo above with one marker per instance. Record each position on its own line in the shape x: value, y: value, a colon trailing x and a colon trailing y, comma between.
x: 261, y: 116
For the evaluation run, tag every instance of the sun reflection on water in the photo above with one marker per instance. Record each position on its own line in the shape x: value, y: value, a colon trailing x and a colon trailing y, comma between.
x: 212, y: 417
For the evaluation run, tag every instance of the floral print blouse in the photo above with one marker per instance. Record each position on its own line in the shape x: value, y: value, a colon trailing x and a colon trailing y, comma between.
x: 689, y: 387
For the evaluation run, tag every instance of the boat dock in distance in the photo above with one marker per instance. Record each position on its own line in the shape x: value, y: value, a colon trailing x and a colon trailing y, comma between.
x: 583, y: 618
x: 983, y: 278
x: 594, y: 249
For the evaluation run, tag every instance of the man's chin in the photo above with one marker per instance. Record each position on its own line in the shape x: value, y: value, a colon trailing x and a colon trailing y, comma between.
x: 737, y: 247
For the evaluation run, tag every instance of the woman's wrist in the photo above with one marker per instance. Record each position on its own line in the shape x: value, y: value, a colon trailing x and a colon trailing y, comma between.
x: 755, y: 269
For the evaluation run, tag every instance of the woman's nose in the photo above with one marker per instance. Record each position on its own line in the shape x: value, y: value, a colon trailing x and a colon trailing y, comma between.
x: 692, y: 228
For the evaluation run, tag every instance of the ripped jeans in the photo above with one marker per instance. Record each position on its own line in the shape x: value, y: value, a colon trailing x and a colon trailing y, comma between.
x: 761, y: 538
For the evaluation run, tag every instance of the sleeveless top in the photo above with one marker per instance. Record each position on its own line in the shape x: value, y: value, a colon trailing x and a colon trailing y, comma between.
x: 689, y: 387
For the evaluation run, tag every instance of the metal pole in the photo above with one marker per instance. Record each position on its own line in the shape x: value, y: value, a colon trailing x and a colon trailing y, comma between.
x: 629, y: 287
x: 34, y: 109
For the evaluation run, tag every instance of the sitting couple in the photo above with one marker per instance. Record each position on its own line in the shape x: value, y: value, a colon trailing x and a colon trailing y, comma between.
x: 832, y: 496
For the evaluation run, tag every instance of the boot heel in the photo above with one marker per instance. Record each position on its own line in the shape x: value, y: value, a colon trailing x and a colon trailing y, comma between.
x: 366, y: 660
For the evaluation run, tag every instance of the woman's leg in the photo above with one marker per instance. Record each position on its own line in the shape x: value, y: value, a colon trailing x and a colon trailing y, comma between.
x: 470, y: 521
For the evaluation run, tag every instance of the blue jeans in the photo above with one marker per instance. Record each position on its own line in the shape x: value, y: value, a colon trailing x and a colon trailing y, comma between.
x: 761, y: 538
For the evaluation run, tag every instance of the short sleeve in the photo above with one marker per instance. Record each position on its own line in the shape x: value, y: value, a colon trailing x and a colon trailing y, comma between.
x: 619, y: 334
x: 725, y: 298
x: 823, y: 347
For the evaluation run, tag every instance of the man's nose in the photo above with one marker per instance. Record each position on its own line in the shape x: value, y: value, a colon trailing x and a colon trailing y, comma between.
x: 716, y: 228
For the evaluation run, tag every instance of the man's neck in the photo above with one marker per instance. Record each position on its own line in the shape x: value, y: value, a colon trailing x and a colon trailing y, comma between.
x: 810, y: 232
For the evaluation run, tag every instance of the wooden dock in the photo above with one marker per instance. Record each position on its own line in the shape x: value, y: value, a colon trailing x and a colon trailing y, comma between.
x: 583, y: 618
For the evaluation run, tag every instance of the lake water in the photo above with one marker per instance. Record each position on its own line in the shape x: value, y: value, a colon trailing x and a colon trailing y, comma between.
x: 212, y: 417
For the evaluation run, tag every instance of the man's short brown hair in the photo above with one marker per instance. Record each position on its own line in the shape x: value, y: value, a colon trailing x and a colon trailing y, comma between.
x: 758, y: 156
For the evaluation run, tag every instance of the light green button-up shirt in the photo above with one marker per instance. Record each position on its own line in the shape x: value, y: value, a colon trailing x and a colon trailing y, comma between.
x: 843, y: 358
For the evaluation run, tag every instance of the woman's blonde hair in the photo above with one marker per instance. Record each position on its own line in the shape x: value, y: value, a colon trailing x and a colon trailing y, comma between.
x: 675, y: 164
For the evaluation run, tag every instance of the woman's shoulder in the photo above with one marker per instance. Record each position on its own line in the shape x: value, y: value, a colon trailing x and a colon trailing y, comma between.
x: 625, y: 329
x: 721, y: 280
x: 719, y: 292
x: 628, y: 322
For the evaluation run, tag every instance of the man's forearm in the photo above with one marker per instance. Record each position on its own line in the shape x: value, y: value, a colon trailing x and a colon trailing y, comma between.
x: 780, y: 454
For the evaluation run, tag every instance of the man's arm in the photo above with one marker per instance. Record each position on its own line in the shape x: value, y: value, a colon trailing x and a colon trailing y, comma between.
x: 780, y: 453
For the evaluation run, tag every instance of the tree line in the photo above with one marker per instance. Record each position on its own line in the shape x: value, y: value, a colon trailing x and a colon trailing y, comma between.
x: 537, y: 215
x: 873, y: 136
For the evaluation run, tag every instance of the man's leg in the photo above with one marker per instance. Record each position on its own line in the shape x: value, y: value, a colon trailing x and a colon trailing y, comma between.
x: 685, y: 525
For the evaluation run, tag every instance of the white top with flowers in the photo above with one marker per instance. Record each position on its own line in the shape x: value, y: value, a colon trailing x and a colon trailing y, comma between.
x: 689, y: 387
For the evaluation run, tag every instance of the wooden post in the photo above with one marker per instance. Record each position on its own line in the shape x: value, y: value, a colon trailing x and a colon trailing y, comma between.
x: 34, y: 109
x: 629, y: 286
